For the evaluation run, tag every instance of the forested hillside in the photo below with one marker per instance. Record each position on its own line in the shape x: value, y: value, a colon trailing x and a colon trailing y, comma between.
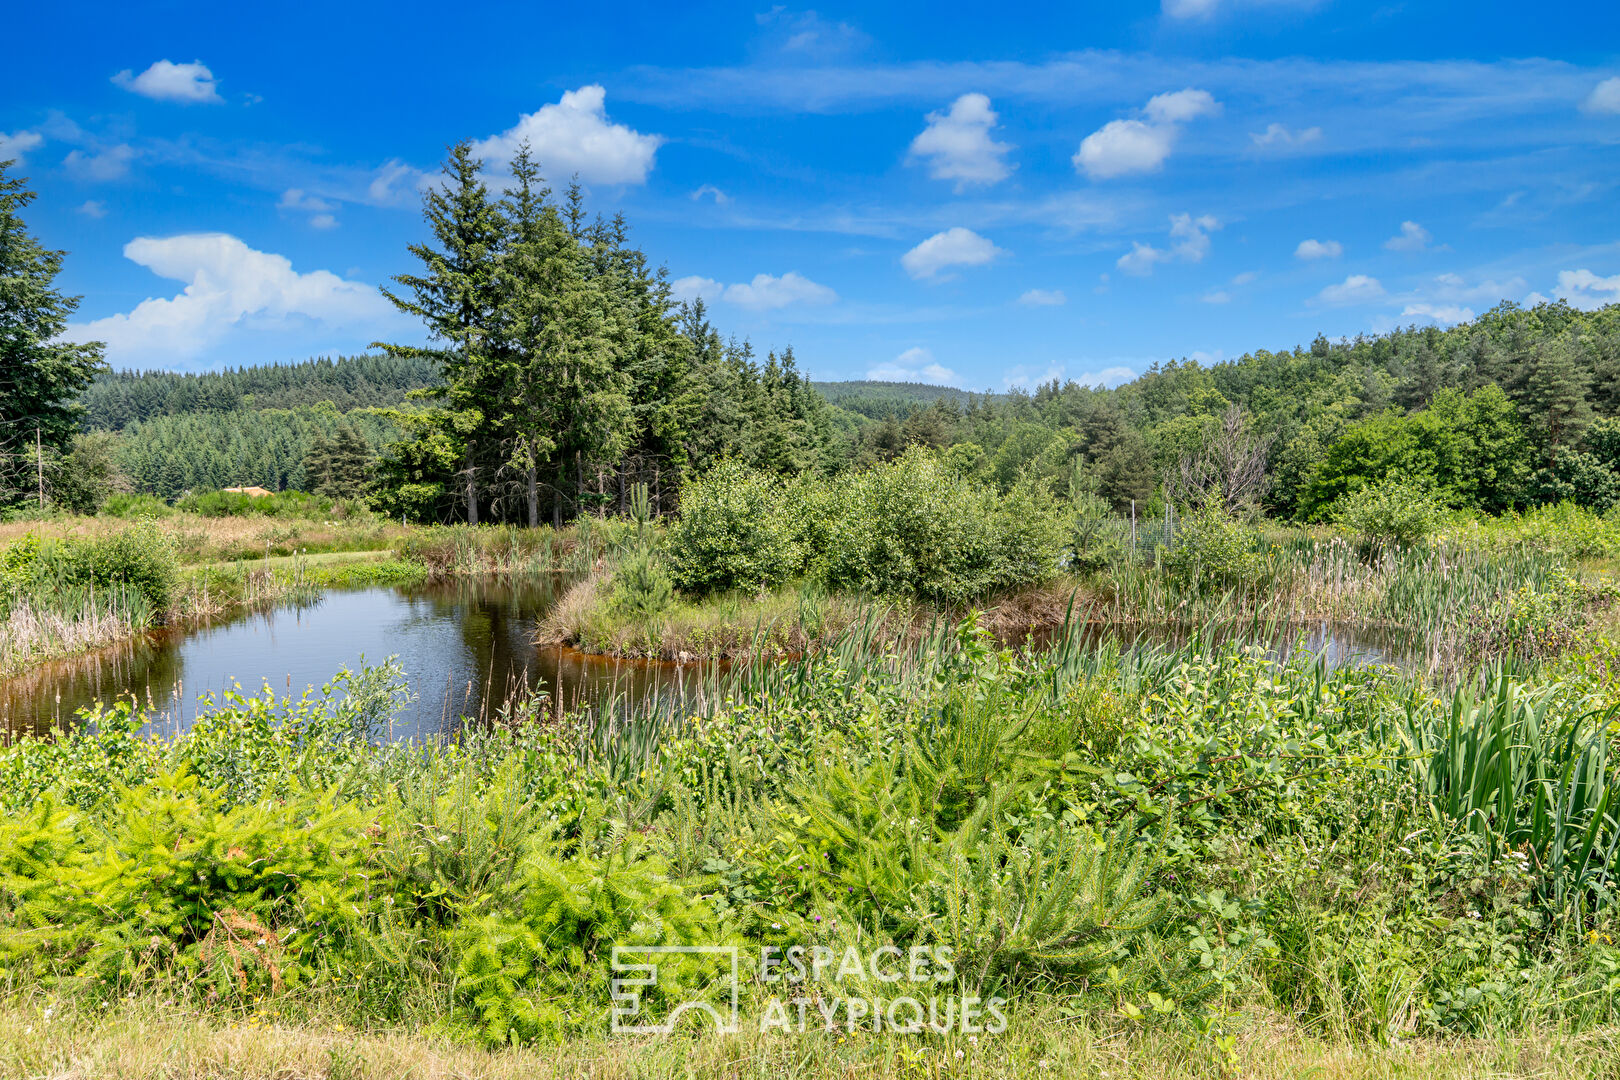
x: 1514, y: 408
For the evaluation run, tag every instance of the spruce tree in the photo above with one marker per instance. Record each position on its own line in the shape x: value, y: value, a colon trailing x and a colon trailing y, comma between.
x: 456, y: 297
x: 41, y: 377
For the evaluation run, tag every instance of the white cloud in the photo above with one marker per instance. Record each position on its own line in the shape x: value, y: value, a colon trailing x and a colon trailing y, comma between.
x: 953, y: 247
x: 1122, y: 147
x: 1043, y: 298
x: 694, y: 286
x: 1318, y: 249
x: 720, y: 198
x: 1604, y: 98
x: 383, y: 190
x: 1180, y: 106
x: 93, y: 208
x: 957, y: 145
x: 228, y: 285
x: 15, y: 145
x: 1278, y: 135
x: 1246, y: 277
x: 1108, y: 376
x: 768, y: 292
x: 806, y: 33
x: 298, y: 201
x: 1453, y: 288
x: 575, y: 136
x: 1355, y: 289
x: 1191, y: 243
x: 1440, y: 313
x: 189, y: 84
x: 1412, y: 237
x: 1584, y: 289
x: 1217, y: 296
x: 914, y: 365
x: 109, y: 164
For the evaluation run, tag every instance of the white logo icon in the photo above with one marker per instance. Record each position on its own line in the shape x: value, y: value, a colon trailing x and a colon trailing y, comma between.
x: 631, y: 979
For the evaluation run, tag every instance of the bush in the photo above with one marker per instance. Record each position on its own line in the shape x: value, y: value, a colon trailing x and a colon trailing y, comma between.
x: 1389, y: 512
x: 737, y: 530
x: 915, y: 527
x: 140, y: 558
x: 641, y: 586
x: 1211, y: 549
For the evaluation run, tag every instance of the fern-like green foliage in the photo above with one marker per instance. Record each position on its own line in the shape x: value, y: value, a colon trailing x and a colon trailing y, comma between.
x: 542, y: 970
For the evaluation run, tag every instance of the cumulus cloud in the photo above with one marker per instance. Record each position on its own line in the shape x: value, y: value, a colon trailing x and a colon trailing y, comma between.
x: 1217, y: 296
x: 228, y: 285
x: 1180, y: 106
x: 1454, y: 288
x: 1440, y: 313
x: 1584, y: 289
x: 1355, y: 289
x: 1043, y: 298
x: 93, y: 208
x: 109, y: 163
x: 720, y: 198
x: 953, y: 247
x: 1279, y: 136
x: 766, y: 292
x: 1412, y: 237
x: 575, y: 136
x: 957, y: 145
x: 16, y: 144
x: 1190, y: 243
x: 386, y: 186
x: 1123, y: 147
x: 298, y: 201
x: 914, y: 365
x: 1318, y: 249
x: 189, y: 84
x: 1604, y: 98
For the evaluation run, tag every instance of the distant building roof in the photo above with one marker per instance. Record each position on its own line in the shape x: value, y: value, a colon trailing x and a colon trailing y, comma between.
x: 250, y: 492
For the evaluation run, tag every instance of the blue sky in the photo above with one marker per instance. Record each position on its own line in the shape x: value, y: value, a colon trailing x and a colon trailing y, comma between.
x: 978, y: 196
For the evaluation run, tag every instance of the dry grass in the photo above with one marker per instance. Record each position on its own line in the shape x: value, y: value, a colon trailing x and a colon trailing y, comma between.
x: 29, y: 637
x: 200, y: 539
x: 144, y: 1041
x: 780, y: 623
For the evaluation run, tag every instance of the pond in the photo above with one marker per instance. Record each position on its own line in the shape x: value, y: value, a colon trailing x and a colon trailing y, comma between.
x: 466, y: 647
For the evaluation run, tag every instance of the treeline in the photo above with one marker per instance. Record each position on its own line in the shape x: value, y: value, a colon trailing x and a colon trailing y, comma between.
x: 1512, y: 409
x: 278, y: 449
x: 568, y: 373
x: 117, y: 399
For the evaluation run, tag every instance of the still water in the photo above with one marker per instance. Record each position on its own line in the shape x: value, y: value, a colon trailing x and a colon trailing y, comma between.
x: 466, y: 648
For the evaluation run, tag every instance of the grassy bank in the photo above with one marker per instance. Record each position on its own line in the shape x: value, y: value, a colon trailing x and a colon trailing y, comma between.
x: 145, y: 1039
x: 1188, y: 861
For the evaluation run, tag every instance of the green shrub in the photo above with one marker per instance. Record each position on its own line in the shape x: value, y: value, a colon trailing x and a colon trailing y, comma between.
x: 737, y: 529
x: 140, y: 558
x: 293, y: 504
x: 1399, y: 512
x: 641, y: 586
x: 1212, y: 549
x: 915, y: 527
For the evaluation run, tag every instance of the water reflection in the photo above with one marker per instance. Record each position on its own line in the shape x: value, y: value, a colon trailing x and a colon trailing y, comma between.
x: 467, y: 647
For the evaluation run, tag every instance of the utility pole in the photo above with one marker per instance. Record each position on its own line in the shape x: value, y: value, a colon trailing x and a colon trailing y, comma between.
x: 39, y: 460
